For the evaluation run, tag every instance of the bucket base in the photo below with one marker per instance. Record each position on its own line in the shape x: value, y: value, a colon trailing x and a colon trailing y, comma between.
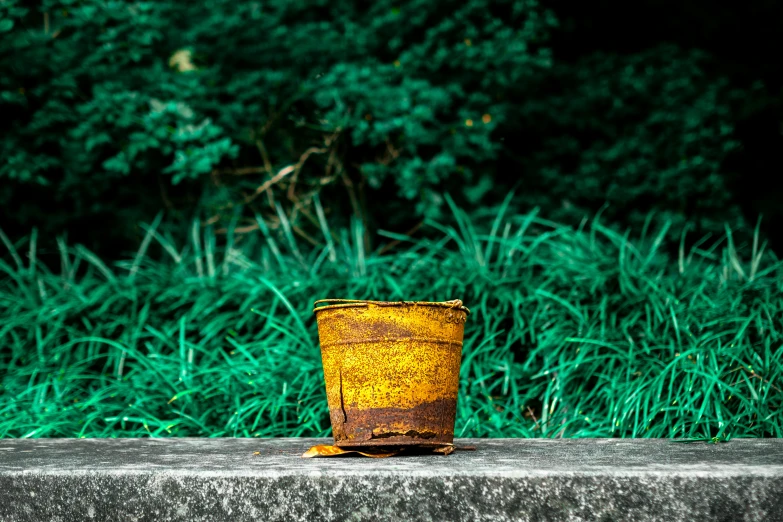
x: 392, y: 441
x: 428, y: 423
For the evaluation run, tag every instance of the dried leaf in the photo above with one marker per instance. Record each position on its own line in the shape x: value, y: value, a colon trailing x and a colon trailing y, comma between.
x: 333, y: 451
x: 381, y: 453
x: 322, y: 451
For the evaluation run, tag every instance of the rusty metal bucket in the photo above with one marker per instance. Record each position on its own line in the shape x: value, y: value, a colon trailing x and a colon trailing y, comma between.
x: 391, y: 370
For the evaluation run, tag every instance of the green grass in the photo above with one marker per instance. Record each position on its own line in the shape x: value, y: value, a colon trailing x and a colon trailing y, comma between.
x: 574, y: 332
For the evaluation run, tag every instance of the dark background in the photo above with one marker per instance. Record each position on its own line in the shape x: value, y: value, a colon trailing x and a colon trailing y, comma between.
x: 115, y: 112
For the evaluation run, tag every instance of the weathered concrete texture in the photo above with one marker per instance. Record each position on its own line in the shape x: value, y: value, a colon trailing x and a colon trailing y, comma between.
x: 535, y: 480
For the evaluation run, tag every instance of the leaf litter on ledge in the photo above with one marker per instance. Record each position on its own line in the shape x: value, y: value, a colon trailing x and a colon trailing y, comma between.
x: 325, y: 450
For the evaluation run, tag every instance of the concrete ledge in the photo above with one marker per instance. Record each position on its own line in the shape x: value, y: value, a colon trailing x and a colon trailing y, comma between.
x: 505, y: 479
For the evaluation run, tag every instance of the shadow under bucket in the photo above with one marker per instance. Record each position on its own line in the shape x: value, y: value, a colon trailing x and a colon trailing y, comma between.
x: 391, y: 370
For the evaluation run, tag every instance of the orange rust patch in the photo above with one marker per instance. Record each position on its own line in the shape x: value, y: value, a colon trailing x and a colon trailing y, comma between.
x: 429, y: 422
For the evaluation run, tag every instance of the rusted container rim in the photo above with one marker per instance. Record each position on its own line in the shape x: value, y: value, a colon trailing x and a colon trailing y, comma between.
x: 330, y: 304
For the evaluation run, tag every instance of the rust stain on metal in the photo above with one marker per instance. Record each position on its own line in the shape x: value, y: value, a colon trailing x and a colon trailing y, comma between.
x: 391, y: 370
x: 342, y: 399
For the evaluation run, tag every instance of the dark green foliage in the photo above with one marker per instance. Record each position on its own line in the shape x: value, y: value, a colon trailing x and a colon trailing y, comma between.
x: 573, y: 333
x: 104, y: 91
x: 740, y: 44
x: 114, y: 110
x: 91, y: 101
x: 649, y: 131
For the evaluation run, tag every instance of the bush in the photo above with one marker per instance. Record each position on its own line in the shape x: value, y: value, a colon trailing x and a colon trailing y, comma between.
x: 237, y: 94
x: 645, y: 132
x: 116, y: 110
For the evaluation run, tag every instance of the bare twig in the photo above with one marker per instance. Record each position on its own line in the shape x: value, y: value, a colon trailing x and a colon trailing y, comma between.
x: 532, y: 415
x: 282, y: 173
x: 285, y: 172
x: 328, y: 142
x: 301, y: 233
x: 211, y: 221
x: 238, y: 230
x: 757, y: 376
x: 396, y: 242
x: 264, y: 156
x: 389, y: 155
x: 351, y: 193
x: 244, y: 171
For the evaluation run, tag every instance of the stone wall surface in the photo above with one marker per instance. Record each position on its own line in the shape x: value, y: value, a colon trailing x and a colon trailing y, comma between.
x: 504, y: 479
